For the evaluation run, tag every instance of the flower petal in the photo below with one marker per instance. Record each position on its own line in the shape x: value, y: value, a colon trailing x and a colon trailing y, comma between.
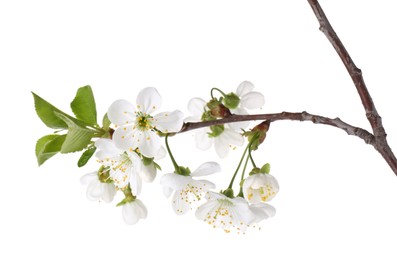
x: 196, y: 107
x: 206, y: 169
x: 231, y: 137
x: 135, y: 182
x: 252, y: 100
x: 88, y: 178
x: 130, y: 213
x: 142, y: 210
x: 175, y: 181
x: 161, y: 154
x: 167, y: 191
x: 262, y: 211
x: 94, y: 190
x: 148, y: 100
x: 179, y: 204
x: 244, y: 88
x: 203, y: 210
x: 121, y: 112
x: 150, y: 144
x: 126, y: 137
x: 109, y: 191
x: 107, y: 149
x: 168, y: 122
x: 221, y: 148
x: 148, y: 172
x: 203, y: 142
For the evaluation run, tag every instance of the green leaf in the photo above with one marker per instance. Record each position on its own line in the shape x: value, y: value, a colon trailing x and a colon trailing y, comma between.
x: 106, y: 122
x: 78, y: 137
x: 86, y: 156
x: 46, y: 112
x: 48, y: 146
x: 83, y: 105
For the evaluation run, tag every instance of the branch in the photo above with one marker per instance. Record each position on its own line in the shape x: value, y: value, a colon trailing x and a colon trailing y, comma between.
x: 303, y: 116
x: 355, y: 73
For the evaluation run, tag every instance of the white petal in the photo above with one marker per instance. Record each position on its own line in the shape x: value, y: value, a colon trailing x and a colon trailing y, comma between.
x: 175, y: 181
x: 126, y: 137
x: 196, y: 107
x: 107, y: 149
x: 202, y: 185
x: 221, y: 148
x: 252, y: 100
x: 148, y: 100
x: 206, y: 169
x: 203, y: 142
x: 215, y: 196
x: 244, y: 88
x: 142, y: 210
x: 203, y: 211
x: 161, y: 154
x: 148, y: 172
x: 88, y: 178
x: 94, y: 190
x: 109, y: 191
x: 231, y: 137
x: 179, y: 204
x: 130, y: 213
x: 121, y: 112
x: 135, y: 182
x: 168, y: 122
x: 167, y: 191
x: 150, y: 144
x: 263, y: 211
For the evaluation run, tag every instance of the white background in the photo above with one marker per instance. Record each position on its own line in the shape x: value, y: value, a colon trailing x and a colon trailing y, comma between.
x: 338, y: 197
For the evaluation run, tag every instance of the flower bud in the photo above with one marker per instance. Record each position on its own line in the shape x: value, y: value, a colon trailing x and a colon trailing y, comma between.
x: 217, y: 109
x: 231, y: 101
x: 216, y: 130
x: 257, y: 134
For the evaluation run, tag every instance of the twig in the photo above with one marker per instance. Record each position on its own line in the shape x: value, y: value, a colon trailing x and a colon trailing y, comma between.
x: 373, y: 117
x: 302, y: 116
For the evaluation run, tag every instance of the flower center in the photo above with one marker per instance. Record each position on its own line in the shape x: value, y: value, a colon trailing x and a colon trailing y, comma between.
x: 143, y: 121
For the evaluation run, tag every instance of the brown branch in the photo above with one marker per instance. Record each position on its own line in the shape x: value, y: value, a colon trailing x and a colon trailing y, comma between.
x: 355, y: 73
x: 302, y: 116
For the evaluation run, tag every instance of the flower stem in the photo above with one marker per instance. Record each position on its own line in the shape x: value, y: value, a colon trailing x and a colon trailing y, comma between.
x: 171, y: 156
x: 238, y: 167
x: 240, y: 194
x: 217, y: 89
x: 250, y: 156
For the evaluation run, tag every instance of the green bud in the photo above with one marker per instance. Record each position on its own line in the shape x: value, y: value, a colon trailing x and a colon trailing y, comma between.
x: 206, y: 116
x: 185, y: 171
x: 147, y: 161
x: 257, y: 135
x: 255, y: 170
x: 216, y: 130
x: 265, y: 168
x: 217, y: 109
x: 231, y: 101
x: 228, y: 193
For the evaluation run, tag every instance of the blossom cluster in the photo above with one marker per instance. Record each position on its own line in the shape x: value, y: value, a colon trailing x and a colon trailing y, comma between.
x: 130, y: 144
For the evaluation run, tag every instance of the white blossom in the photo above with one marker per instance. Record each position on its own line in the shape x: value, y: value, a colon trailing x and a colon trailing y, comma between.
x: 124, y: 166
x: 259, y: 188
x: 227, y: 139
x: 248, y: 100
x: 133, y: 211
x: 187, y: 190
x: 230, y: 214
x: 137, y: 127
x: 96, y: 189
